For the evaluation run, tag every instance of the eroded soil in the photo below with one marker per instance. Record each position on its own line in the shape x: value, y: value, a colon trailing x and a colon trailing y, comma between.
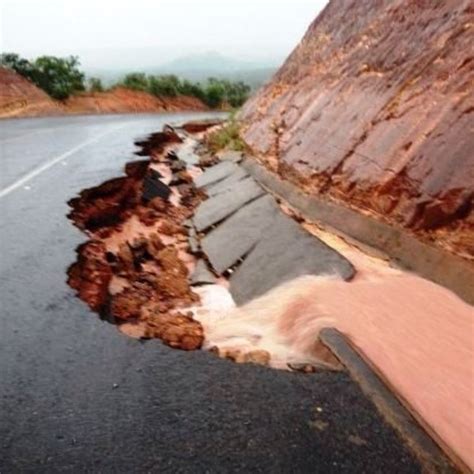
x: 134, y: 269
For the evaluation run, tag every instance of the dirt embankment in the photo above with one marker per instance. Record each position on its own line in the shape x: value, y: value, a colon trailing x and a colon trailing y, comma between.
x: 122, y: 100
x: 375, y: 109
x: 21, y: 98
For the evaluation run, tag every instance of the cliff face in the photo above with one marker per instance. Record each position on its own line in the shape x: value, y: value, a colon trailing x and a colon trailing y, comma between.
x: 20, y: 96
x: 375, y: 108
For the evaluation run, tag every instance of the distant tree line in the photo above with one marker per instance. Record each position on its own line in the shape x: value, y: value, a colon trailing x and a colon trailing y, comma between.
x: 61, y: 77
x: 214, y: 92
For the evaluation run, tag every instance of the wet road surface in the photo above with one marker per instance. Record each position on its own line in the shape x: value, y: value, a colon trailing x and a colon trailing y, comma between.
x: 77, y: 396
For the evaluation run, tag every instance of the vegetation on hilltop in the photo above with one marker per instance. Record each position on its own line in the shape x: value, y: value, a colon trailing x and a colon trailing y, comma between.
x: 58, y: 77
x: 215, y: 92
x: 61, y: 78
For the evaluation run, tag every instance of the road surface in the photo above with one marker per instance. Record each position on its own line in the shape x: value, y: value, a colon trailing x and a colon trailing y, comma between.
x: 78, y: 396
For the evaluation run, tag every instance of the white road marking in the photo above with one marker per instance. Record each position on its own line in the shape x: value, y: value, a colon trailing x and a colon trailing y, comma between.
x: 45, y: 166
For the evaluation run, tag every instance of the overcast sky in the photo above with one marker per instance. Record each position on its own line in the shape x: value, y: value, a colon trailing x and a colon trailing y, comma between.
x: 125, y: 32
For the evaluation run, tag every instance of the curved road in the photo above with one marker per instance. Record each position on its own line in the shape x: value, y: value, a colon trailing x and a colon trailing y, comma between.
x: 77, y: 396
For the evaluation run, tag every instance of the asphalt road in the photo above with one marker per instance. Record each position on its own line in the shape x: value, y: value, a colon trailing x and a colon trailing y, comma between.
x: 77, y: 396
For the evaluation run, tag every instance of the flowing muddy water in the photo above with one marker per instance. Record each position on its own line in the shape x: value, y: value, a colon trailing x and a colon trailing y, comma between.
x: 417, y: 335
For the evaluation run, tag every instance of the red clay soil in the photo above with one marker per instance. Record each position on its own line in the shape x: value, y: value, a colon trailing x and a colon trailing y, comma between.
x: 375, y: 108
x: 19, y: 97
x: 122, y: 100
x: 132, y: 270
x: 200, y: 125
x: 157, y: 142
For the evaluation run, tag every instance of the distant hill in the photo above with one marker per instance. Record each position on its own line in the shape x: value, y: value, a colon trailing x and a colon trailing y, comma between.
x: 199, y: 67
x: 204, y: 62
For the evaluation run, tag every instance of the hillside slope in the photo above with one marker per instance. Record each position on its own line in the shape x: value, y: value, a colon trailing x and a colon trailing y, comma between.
x: 375, y: 109
x: 121, y: 100
x: 21, y: 98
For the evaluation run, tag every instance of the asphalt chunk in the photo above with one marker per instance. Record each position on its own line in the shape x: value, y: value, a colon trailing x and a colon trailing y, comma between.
x: 201, y: 274
x: 216, y: 173
x: 286, y: 252
x: 153, y: 187
x: 238, y: 234
x: 217, y: 208
x: 227, y: 183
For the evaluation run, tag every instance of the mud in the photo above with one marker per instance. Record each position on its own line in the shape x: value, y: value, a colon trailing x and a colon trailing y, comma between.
x: 134, y: 271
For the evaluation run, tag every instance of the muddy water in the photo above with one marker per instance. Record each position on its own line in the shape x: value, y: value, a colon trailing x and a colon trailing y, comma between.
x: 418, y: 335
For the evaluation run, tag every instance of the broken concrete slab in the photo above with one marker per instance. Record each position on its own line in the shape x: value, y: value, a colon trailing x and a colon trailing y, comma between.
x: 153, y: 187
x: 216, y: 173
x: 202, y: 275
x: 226, y: 183
x: 238, y: 234
x: 217, y: 208
x: 286, y: 252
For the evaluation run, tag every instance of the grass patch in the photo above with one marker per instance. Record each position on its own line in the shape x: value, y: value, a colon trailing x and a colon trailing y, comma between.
x: 227, y: 137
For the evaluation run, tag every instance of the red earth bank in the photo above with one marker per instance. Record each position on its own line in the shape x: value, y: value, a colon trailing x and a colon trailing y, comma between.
x: 21, y: 98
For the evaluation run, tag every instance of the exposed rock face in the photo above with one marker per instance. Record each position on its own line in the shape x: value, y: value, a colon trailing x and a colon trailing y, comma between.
x: 19, y: 96
x: 375, y: 107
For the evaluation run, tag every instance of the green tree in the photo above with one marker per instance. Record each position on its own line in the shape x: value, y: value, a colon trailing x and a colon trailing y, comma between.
x: 165, y: 85
x: 137, y: 81
x: 237, y: 93
x: 18, y: 64
x: 95, y: 84
x: 59, y: 77
x: 215, y: 92
x: 193, y: 89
